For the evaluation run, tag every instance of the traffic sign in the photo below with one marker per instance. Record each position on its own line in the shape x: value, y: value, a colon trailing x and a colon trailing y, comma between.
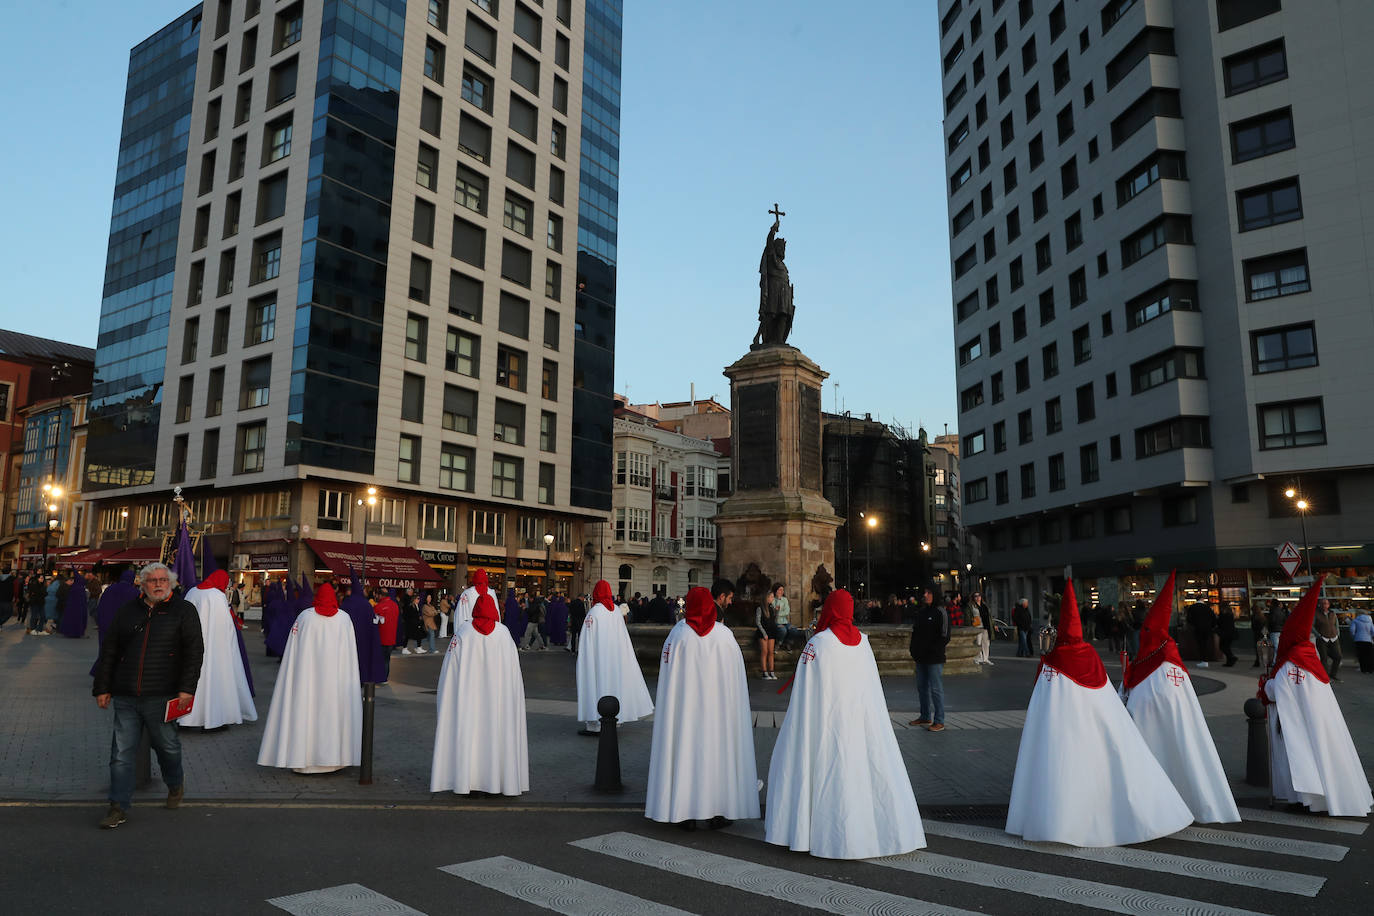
x: 1289, y: 558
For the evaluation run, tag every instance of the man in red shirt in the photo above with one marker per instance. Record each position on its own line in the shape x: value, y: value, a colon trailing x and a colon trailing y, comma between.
x: 387, y: 615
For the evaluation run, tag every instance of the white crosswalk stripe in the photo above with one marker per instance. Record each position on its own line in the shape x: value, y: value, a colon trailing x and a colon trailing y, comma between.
x: 1307, y: 849
x: 554, y: 891
x: 775, y: 883
x: 344, y: 900
x: 1305, y: 821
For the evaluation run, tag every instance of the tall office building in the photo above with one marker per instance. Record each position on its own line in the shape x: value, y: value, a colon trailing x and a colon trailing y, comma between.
x: 365, y: 243
x: 1162, y: 291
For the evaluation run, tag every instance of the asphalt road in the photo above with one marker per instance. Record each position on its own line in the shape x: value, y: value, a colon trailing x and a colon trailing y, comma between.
x: 232, y: 858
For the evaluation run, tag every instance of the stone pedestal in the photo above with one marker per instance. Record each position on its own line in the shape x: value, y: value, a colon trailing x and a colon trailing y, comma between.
x: 777, y: 517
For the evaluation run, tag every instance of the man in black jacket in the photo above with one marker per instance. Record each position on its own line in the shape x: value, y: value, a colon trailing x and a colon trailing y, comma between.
x: 151, y: 654
x: 929, y: 636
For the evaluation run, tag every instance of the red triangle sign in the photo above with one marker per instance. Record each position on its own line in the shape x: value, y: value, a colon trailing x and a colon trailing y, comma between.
x: 1289, y: 558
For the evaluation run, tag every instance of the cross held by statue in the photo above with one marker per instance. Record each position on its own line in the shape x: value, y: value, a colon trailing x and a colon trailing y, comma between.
x: 776, y: 213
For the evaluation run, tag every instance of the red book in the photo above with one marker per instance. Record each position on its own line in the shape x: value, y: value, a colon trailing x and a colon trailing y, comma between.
x: 177, y: 707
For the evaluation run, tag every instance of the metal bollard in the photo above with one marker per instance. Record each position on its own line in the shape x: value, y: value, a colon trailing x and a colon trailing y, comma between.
x: 1257, y: 744
x: 608, y: 748
x: 369, y: 725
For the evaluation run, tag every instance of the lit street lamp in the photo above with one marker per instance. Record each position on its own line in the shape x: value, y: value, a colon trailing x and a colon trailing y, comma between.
x: 870, y: 522
x: 367, y: 501
x: 968, y: 578
x: 51, y: 493
x: 1302, y: 505
x: 548, y: 563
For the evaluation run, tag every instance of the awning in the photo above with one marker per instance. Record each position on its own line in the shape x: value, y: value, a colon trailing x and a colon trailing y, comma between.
x: 136, y: 555
x: 387, y: 567
x: 87, y: 559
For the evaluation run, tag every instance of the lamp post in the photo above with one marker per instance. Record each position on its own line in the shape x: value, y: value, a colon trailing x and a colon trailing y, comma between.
x: 51, y: 494
x: 548, y: 562
x: 870, y: 522
x: 968, y: 570
x: 367, y: 501
x: 1302, y: 505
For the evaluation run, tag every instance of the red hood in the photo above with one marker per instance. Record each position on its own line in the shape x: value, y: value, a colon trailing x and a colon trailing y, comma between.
x: 326, y: 602
x: 601, y: 594
x: 1156, y: 645
x: 1071, y: 656
x: 484, y: 614
x: 479, y: 581
x: 837, y: 615
x: 218, y: 579
x: 701, y: 610
x: 1295, y: 644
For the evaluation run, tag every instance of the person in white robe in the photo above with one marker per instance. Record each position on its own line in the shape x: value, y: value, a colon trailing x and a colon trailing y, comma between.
x: 701, y: 764
x: 223, y: 696
x: 315, y: 722
x: 1314, y: 761
x: 480, y: 739
x: 837, y: 785
x: 1161, y: 700
x: 462, y: 608
x: 606, y: 665
x: 1084, y: 775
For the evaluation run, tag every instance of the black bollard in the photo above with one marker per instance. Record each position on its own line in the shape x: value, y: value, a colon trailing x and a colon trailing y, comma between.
x: 1257, y: 745
x: 608, y: 748
x: 369, y: 720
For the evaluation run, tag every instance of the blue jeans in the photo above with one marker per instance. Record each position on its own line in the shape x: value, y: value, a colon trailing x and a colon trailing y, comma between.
x: 131, y: 716
x: 429, y: 635
x: 1023, y: 649
x: 930, y: 688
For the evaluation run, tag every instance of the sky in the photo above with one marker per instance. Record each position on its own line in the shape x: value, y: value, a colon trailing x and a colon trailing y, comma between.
x: 728, y: 106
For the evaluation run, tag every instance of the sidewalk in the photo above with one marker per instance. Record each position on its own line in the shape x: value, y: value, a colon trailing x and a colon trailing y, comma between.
x: 54, y: 741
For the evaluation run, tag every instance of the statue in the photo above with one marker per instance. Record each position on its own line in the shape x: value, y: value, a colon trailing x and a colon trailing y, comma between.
x: 775, y: 291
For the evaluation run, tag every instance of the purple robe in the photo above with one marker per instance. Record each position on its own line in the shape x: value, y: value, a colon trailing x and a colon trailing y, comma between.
x: 371, y: 659
x: 556, y: 620
x: 278, y: 614
x: 73, y: 621
x: 305, y: 595
x: 515, y: 618
x: 112, y: 599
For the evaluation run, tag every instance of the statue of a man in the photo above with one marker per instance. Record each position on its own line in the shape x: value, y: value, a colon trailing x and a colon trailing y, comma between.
x: 775, y: 291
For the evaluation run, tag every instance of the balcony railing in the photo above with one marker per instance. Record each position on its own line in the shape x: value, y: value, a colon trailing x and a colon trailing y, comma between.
x: 665, y: 492
x: 669, y: 546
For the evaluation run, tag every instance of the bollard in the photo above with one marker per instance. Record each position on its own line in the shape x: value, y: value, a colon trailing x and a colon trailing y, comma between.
x: 369, y: 720
x: 608, y: 748
x: 1257, y: 745
x: 143, y: 760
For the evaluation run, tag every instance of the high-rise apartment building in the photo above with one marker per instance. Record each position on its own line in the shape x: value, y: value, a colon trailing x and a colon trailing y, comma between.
x: 1162, y: 292
x: 365, y: 243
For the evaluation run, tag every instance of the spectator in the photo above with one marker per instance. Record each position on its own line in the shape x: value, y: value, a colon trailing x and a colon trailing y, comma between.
x: 766, y: 629
x: 151, y: 655
x: 1021, y: 619
x: 1204, y: 624
x: 1226, y: 632
x: 1362, y: 633
x: 1257, y: 622
x: 534, y: 619
x: 412, y: 625
x: 782, y: 615
x: 982, y: 640
x: 1278, y: 616
x: 1327, y: 627
x: 429, y: 616
x: 577, y: 613
x: 929, y: 636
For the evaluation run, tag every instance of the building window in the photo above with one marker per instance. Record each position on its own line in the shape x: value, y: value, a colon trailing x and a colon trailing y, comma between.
x: 961, y: 176
x: 1179, y: 510
x: 971, y: 397
x: 278, y: 141
x: 548, y: 431
x: 962, y: 220
x: 966, y: 261
x: 419, y: 278
x: 1167, y: 229
x: 1054, y: 416
x: 477, y: 88
x: 975, y: 443
x: 438, y: 523
x: 997, y: 388
x: 1058, y: 479
x: 1087, y: 463
x: 1262, y: 135
x: 1169, y: 435
x: 1022, y: 370
x: 461, y: 353
x: 455, y: 468
x: 1043, y: 256
x: 1159, y: 164
x: 487, y: 528
x: 262, y: 321
x: 1117, y: 520
x: 1154, y: 103
x: 427, y: 167
x: 255, y: 383
x: 185, y: 392
x: 417, y: 335
x: 1280, y: 349
x: 1018, y: 323
x: 506, y: 476
x: 514, y: 316
x: 1178, y: 362
x: 638, y: 465
x: 250, y: 451
x: 1269, y: 205
x: 470, y: 191
x: 460, y: 410
x: 510, y: 368
x: 434, y: 61
x: 431, y: 112
x: 408, y: 460
x: 1291, y: 424
x: 1087, y: 408
x: 412, y: 397
x: 970, y: 351
x: 1028, y: 481
x: 976, y: 491
x: 1024, y: 430
x: 546, y: 484
x: 332, y: 510
x: 1276, y: 275
x: 999, y: 436
x: 1175, y: 295
x: 1049, y: 361
x: 509, y: 422
x: 1082, y: 345
x: 1255, y: 67
x: 1232, y: 13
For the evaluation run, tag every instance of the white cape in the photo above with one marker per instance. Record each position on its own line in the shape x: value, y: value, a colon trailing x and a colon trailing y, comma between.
x: 702, y: 762
x: 480, y: 741
x: 1084, y: 775
x: 1314, y: 759
x: 462, y: 608
x: 606, y: 667
x: 837, y: 785
x: 1165, y: 709
x: 222, y: 694
x: 315, y: 721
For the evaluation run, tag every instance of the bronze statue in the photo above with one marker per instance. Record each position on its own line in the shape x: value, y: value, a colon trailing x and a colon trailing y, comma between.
x: 775, y: 290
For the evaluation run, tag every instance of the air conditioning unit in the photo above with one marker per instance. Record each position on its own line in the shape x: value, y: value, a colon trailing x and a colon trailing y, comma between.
x: 240, y: 561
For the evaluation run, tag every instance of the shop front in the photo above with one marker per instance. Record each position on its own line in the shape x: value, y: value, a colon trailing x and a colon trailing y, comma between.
x: 380, y: 566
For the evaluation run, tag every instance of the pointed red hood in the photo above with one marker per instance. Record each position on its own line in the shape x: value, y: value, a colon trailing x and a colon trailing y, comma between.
x: 484, y: 614
x: 218, y: 579
x: 326, y: 602
x: 1156, y: 645
x: 701, y: 610
x: 479, y: 581
x: 601, y: 594
x: 837, y: 615
x: 1071, y: 656
x: 1295, y: 644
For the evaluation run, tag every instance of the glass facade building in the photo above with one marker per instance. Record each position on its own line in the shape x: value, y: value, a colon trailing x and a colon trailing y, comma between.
x: 126, y: 397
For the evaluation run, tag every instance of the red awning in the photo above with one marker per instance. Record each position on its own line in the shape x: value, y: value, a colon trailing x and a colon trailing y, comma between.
x: 87, y: 559
x: 387, y: 567
x: 136, y: 555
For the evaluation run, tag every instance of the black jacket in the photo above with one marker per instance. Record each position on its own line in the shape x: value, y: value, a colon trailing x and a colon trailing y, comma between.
x: 929, y: 635
x: 1021, y: 617
x: 152, y: 652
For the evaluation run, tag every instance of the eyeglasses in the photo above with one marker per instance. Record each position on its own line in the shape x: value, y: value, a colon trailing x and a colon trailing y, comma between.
x: 157, y: 581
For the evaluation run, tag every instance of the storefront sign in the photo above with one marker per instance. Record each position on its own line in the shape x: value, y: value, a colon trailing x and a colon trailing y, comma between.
x: 267, y: 561
x: 440, y: 557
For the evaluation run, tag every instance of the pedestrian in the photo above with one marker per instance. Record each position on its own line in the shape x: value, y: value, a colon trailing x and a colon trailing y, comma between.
x: 150, y: 656
x: 701, y: 761
x: 481, y: 741
x: 1257, y: 629
x: 429, y: 618
x: 445, y: 615
x: 837, y: 785
x: 929, y: 635
x: 1327, y: 627
x: 1021, y: 619
x: 1226, y: 631
x: 387, y: 613
x: 982, y: 640
x: 1278, y: 616
x: 577, y: 613
x: 606, y: 665
x: 1115, y: 792
x: 1117, y: 629
x: 766, y: 631
x: 412, y: 624
x: 52, y: 603
x: 1362, y: 633
x: 782, y: 614
x: 7, y: 586
x: 1134, y: 622
x: 315, y: 722
x: 1204, y: 624
x: 534, y: 620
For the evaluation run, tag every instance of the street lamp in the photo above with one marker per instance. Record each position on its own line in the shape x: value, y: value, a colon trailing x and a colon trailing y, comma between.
x: 51, y: 494
x: 1302, y: 505
x: 367, y: 501
x: 870, y: 522
x: 548, y: 562
x: 968, y: 570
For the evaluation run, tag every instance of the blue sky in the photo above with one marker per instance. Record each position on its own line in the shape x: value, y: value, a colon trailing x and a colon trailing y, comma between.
x: 728, y: 106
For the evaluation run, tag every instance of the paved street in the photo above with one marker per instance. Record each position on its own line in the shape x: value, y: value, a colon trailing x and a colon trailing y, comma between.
x: 323, y: 844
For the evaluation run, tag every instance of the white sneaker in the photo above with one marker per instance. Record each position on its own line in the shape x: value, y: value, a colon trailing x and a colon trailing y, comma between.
x: 1202, y: 664
x: 407, y: 652
x: 988, y: 662
x: 419, y: 651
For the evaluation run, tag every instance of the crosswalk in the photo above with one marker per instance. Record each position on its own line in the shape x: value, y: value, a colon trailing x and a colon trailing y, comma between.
x: 967, y: 868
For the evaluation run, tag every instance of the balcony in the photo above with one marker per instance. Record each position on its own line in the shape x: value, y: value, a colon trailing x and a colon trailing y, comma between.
x: 665, y: 492
x: 671, y: 547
